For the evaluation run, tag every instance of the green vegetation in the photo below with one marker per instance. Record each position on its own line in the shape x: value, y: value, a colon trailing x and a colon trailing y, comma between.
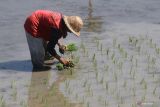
x: 61, y: 66
x: 72, y: 47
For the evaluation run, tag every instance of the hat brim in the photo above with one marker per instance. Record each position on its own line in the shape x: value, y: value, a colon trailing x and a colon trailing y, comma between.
x: 69, y: 27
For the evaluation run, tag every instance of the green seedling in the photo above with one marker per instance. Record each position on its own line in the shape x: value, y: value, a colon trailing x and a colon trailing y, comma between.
x: 2, y: 102
x: 154, y: 91
x: 94, y: 57
x: 85, y: 83
x: 107, y: 86
x: 60, y: 66
x: 106, y: 67
x: 97, y: 44
x: 72, y: 47
x: 114, y: 42
x: 101, y: 47
x: 23, y: 104
x: 107, y: 51
x: 142, y: 81
x: 113, y: 55
x: 101, y: 81
x: 125, y: 83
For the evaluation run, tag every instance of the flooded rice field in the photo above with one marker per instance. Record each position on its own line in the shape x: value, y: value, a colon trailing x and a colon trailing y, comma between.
x: 117, y: 60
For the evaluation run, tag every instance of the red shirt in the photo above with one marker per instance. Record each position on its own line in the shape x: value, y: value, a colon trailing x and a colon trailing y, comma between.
x: 41, y: 22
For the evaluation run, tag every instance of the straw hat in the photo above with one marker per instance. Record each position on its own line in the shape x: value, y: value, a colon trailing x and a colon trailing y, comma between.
x: 74, y: 24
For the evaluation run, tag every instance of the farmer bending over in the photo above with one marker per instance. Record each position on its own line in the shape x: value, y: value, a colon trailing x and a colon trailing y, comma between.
x: 43, y: 29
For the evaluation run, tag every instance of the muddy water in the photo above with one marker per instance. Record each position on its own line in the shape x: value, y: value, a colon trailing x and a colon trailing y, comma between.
x: 118, y: 54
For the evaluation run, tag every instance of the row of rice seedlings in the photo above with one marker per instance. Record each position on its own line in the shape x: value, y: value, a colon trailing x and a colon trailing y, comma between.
x: 120, y: 63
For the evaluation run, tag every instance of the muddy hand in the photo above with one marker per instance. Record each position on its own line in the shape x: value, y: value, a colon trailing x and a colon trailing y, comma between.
x: 69, y: 64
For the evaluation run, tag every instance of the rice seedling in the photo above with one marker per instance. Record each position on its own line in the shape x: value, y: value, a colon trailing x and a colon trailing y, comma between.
x: 13, y: 84
x: 97, y: 75
x: 114, y: 61
x: 113, y: 55
x: 85, y: 83
x: 106, y: 103
x: 151, y: 44
x: 101, y: 81
x: 45, y: 81
x: 71, y: 47
x: 106, y: 67
x: 134, y: 105
x: 121, y: 100
x: 133, y: 75
x: 97, y: 44
x: 154, y: 91
x: 145, y: 85
x: 107, y: 86
x: 67, y: 84
x: 95, y: 64
x: 115, y: 77
x: 121, y: 50
x: 60, y: 66
x: 125, y: 55
x: 120, y: 65
x: 125, y: 84
x: 107, y: 51
x: 82, y: 46
x: 14, y: 94
x: 130, y: 39
x: 142, y: 81
x: 136, y: 62
x: 143, y: 98
x: 14, y: 89
x: 157, y: 50
x: 119, y: 46
x: 131, y: 59
x: 23, y: 104
x: 131, y: 69
x: 134, y: 92
x: 2, y: 102
x: 88, y: 105
x: 101, y: 47
x: 114, y: 42
x: 94, y: 57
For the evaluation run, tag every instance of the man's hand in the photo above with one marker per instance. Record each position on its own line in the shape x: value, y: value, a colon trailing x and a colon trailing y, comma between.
x: 64, y: 61
x: 62, y: 49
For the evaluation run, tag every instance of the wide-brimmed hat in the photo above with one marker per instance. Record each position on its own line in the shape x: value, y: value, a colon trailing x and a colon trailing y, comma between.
x: 74, y: 24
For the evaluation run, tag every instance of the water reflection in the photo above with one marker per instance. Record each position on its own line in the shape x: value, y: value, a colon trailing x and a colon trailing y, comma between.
x: 38, y: 88
x: 43, y: 93
x: 92, y: 23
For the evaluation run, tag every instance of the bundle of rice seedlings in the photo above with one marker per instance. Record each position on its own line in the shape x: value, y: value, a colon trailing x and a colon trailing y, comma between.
x: 61, y: 66
x: 71, y: 47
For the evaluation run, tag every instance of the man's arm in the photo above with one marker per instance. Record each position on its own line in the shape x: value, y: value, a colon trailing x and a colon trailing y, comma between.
x: 51, y: 47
